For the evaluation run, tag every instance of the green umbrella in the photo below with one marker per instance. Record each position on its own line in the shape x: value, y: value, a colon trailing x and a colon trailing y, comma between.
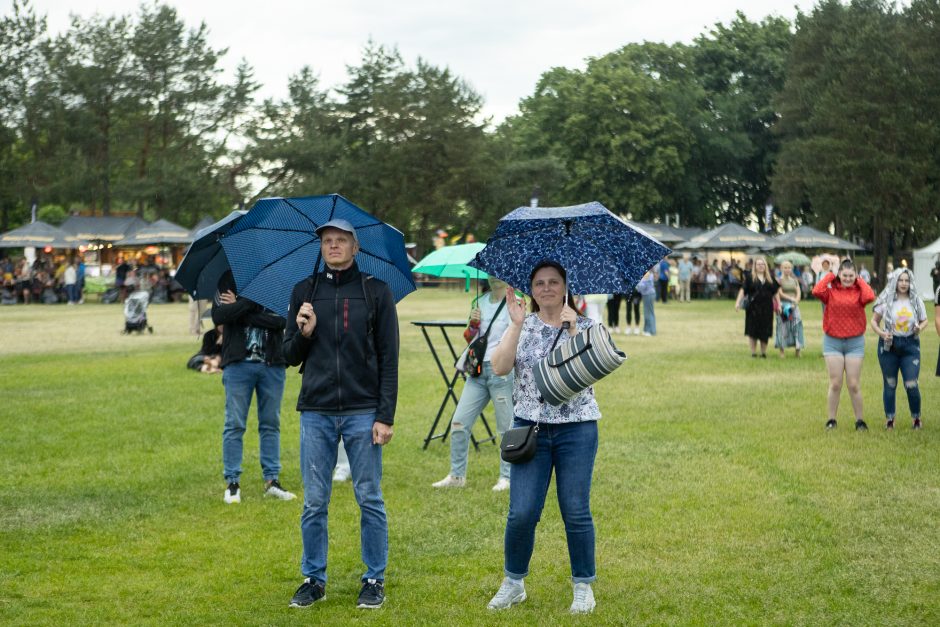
x: 451, y: 262
x: 793, y: 256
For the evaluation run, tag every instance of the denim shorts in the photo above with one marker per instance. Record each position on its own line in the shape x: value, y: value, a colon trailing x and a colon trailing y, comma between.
x: 844, y: 346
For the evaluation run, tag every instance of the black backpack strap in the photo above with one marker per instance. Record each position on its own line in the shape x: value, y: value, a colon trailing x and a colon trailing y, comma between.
x: 502, y: 304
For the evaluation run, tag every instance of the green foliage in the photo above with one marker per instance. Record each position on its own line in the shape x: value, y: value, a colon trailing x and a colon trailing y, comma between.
x: 718, y: 497
x: 52, y: 214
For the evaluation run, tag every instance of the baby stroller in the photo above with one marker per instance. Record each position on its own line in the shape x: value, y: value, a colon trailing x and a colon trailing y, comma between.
x: 135, y: 312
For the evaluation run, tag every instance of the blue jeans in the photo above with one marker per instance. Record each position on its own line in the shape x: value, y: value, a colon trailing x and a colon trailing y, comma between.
x: 569, y: 449
x: 649, y: 314
x: 241, y: 379
x: 904, y: 356
x: 477, y: 392
x: 319, y: 440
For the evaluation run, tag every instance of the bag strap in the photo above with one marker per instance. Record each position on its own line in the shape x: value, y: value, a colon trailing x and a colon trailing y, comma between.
x: 502, y: 304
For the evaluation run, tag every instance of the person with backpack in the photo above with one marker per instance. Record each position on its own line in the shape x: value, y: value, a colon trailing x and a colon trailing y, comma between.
x: 342, y: 329
x: 492, y: 319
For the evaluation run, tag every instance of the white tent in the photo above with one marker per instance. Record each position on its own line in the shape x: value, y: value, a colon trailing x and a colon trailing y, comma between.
x: 924, y: 260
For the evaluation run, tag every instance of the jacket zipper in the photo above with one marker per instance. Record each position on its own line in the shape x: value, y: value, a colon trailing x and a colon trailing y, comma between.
x: 339, y: 387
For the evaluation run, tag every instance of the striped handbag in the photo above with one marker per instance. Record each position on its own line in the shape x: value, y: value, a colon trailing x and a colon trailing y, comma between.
x: 577, y: 364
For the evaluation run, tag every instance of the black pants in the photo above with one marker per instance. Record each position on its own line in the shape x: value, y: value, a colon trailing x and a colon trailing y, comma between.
x: 633, y: 306
x: 613, y: 311
x: 663, y: 289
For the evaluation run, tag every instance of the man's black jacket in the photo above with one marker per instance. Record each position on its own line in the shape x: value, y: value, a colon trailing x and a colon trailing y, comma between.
x: 244, y: 313
x: 346, y: 367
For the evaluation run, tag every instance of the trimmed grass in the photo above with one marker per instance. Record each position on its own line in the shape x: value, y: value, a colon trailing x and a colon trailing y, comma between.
x: 718, y: 497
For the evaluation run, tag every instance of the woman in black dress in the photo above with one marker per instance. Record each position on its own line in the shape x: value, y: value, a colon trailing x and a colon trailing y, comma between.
x: 760, y: 288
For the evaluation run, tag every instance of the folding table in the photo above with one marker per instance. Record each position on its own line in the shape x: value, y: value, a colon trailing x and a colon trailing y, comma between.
x: 449, y: 380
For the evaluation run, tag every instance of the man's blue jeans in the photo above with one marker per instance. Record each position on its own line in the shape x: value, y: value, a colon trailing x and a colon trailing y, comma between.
x: 319, y: 440
x: 241, y: 379
x: 477, y: 392
x: 569, y: 449
x: 904, y: 356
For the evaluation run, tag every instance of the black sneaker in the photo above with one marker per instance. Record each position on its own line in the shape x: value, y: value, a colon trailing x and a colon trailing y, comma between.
x: 308, y: 593
x: 917, y: 423
x: 860, y: 425
x: 831, y: 423
x: 372, y: 594
x: 889, y: 424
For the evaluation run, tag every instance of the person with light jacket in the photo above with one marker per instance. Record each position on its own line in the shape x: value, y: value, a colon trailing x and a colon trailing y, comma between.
x: 898, y: 317
x: 342, y: 330
x: 844, y: 299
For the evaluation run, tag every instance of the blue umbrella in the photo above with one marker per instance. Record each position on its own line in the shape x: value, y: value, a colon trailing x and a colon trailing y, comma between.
x: 600, y: 252
x: 205, y: 261
x: 274, y: 246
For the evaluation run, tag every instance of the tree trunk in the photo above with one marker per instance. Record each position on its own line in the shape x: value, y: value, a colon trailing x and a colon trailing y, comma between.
x: 879, y: 249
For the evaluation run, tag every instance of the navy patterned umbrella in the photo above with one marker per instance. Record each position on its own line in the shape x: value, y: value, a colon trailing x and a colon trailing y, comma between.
x: 274, y: 246
x: 601, y: 253
x: 205, y: 261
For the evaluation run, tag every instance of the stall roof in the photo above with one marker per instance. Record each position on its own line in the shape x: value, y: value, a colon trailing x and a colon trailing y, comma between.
x: 39, y: 234
x: 102, y: 228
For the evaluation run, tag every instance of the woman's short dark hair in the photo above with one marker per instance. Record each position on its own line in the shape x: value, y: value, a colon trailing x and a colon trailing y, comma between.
x: 548, y: 263
x: 847, y: 264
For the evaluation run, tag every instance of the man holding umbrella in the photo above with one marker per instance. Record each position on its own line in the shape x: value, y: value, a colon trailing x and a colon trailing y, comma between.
x: 342, y: 330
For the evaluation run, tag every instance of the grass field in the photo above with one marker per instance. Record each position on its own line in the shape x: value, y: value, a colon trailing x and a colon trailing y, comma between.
x: 718, y: 496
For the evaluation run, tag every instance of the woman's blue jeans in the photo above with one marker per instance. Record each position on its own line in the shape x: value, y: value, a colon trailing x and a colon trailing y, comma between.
x: 569, y: 450
x: 319, y: 440
x: 477, y: 392
x: 241, y: 380
x: 904, y: 356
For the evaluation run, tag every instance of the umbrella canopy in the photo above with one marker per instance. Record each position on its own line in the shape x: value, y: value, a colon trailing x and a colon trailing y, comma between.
x: 160, y: 232
x: 39, y: 234
x: 451, y: 262
x: 600, y: 252
x: 274, y: 246
x: 808, y: 237
x: 205, y: 261
x: 729, y: 236
x: 793, y: 256
x: 662, y: 232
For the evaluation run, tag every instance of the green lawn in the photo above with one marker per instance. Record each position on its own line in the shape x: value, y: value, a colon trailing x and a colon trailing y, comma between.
x: 718, y: 496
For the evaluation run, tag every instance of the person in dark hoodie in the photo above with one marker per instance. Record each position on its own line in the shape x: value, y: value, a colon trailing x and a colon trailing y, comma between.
x: 342, y: 330
x: 252, y: 363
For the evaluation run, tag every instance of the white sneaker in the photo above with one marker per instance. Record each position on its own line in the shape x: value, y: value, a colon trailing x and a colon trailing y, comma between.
x: 583, y: 602
x: 510, y: 593
x: 233, y: 493
x: 275, y: 490
x: 636, y: 331
x: 502, y: 484
x: 341, y: 473
x: 647, y: 334
x: 450, y: 482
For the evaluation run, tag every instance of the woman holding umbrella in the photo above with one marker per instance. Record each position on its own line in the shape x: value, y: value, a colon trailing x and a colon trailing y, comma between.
x: 790, y: 322
x: 567, y: 439
x: 760, y: 288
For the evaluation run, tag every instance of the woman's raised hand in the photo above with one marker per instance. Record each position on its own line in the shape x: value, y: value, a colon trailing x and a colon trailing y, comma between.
x: 515, y: 305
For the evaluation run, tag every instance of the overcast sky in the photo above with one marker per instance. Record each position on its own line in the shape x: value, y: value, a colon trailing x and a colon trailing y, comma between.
x: 499, y: 47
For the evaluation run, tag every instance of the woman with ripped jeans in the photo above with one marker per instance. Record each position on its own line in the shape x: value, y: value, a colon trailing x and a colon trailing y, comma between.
x: 898, y: 318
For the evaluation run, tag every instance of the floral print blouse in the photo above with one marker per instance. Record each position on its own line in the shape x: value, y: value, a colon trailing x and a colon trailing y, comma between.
x: 535, y: 342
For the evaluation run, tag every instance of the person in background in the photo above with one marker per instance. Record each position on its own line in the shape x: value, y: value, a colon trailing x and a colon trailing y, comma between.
x: 684, y: 276
x: 24, y: 279
x: 673, y: 279
x: 898, y: 317
x: 936, y: 319
x: 70, y: 280
x: 120, y: 277
x: 864, y: 273
x: 492, y: 315
x: 647, y: 290
x: 844, y: 299
x: 613, y: 312
x: 935, y: 276
x: 252, y: 365
x: 760, y: 288
x: 790, y: 321
x: 664, y: 280
x: 633, y: 312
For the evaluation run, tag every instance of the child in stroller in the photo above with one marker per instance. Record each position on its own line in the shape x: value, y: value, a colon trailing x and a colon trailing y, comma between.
x: 135, y: 312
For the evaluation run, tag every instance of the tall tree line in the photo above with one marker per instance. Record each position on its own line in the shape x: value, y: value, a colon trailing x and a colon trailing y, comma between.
x: 831, y: 119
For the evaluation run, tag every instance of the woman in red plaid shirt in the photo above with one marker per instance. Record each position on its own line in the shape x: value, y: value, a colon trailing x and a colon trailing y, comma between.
x: 844, y: 325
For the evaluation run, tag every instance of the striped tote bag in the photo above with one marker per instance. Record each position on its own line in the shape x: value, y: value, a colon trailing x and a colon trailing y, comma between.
x: 577, y: 364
